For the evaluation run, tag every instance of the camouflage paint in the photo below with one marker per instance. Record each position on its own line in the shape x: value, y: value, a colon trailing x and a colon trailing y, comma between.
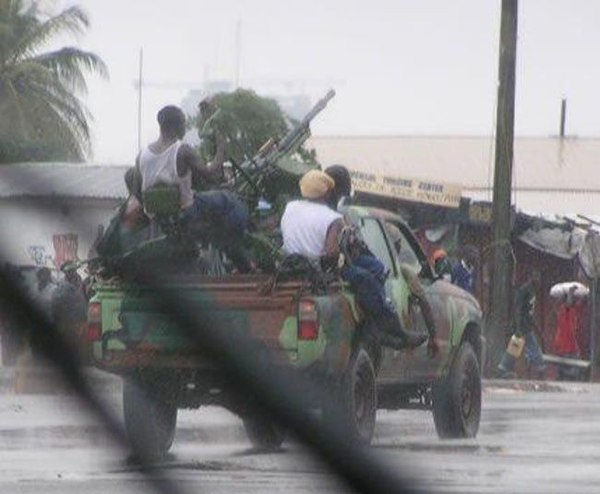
x: 288, y: 338
x: 239, y: 306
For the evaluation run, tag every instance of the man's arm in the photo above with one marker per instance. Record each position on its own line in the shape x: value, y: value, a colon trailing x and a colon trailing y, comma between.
x: 332, y: 247
x: 417, y: 290
x: 187, y: 159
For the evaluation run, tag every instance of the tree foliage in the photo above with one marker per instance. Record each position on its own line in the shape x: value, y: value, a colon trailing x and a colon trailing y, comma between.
x: 246, y: 121
x: 41, y: 114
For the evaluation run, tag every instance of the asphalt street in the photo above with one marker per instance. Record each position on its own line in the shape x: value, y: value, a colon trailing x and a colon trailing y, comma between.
x: 533, y: 438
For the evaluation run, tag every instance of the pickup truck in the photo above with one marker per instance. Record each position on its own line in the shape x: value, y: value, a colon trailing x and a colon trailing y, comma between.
x: 319, y: 334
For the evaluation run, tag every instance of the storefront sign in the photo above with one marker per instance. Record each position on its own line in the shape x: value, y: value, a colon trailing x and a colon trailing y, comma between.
x: 408, y: 189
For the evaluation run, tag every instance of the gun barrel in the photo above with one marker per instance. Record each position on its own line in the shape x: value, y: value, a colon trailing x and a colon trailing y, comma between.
x: 252, y: 169
x: 315, y: 110
x: 319, y: 107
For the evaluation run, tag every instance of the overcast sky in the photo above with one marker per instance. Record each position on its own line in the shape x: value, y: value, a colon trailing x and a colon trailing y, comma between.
x: 399, y: 66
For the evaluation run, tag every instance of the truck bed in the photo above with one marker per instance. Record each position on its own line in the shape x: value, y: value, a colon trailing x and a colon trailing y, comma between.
x: 136, y: 333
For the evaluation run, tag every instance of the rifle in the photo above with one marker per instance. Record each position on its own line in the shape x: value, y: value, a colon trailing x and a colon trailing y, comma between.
x: 255, y: 170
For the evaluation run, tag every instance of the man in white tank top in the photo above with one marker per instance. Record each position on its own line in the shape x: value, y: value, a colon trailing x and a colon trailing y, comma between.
x: 169, y: 161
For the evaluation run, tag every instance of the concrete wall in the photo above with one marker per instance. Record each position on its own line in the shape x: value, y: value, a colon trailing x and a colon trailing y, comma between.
x: 28, y: 227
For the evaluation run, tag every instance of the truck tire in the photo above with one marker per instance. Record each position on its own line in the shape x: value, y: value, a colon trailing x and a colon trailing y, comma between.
x: 356, y: 400
x: 150, y: 421
x: 457, y: 397
x: 264, y: 434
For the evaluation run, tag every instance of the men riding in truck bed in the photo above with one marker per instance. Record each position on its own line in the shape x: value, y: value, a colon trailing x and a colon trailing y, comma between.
x: 311, y: 228
x: 169, y: 161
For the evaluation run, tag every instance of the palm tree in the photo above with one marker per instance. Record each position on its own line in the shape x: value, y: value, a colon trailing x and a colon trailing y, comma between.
x: 41, y: 114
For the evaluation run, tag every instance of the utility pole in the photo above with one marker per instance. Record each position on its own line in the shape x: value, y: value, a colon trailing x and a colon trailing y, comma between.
x: 499, y: 316
x: 140, y: 87
x: 238, y: 52
x: 563, y: 117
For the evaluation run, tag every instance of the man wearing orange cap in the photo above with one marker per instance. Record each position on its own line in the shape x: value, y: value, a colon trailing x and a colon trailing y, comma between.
x: 441, y: 263
x: 311, y: 228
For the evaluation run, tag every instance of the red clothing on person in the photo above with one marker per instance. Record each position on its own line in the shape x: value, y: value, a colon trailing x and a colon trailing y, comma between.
x: 567, y: 324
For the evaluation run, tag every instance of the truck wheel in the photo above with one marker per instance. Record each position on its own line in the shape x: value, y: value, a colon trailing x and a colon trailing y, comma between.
x: 150, y: 421
x: 263, y: 433
x: 457, y: 397
x: 357, y: 400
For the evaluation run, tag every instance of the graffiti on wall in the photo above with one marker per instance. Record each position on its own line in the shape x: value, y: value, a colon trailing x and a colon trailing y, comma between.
x: 65, y: 247
x: 39, y: 255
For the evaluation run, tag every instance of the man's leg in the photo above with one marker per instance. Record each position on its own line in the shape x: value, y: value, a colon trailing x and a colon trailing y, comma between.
x: 534, y: 355
x: 373, y: 265
x: 417, y: 290
x: 235, y: 223
x: 506, y: 367
x: 224, y: 218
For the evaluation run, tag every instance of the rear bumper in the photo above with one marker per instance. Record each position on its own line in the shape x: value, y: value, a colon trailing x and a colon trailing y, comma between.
x: 195, y: 381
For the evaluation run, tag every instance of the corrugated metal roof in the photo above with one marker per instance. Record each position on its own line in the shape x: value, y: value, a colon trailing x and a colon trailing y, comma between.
x: 561, y: 202
x: 550, y: 174
x: 539, y: 162
x: 62, y: 180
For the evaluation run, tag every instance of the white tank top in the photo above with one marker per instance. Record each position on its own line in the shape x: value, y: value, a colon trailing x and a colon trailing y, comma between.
x: 162, y: 168
x: 304, y: 226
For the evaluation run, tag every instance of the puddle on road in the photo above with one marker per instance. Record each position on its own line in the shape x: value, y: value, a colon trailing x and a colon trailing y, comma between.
x: 64, y: 436
x: 441, y: 447
x: 259, y: 451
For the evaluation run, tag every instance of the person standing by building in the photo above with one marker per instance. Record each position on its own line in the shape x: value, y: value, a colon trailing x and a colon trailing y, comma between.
x: 568, y: 319
x: 442, y: 264
x: 69, y: 306
x: 524, y: 333
x: 44, y: 290
x: 462, y: 275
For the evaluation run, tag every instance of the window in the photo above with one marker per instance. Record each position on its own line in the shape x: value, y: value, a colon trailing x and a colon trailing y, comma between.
x: 404, y: 250
x: 375, y: 239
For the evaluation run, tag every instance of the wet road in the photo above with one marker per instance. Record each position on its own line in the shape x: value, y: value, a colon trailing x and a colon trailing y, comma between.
x: 530, y: 442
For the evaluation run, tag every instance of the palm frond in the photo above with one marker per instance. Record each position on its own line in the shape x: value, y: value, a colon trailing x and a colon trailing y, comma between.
x: 36, y: 33
x: 39, y: 92
x: 58, y: 125
x: 13, y: 110
x: 70, y: 64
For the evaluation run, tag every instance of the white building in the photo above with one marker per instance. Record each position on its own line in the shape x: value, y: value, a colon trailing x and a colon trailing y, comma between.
x: 51, y: 212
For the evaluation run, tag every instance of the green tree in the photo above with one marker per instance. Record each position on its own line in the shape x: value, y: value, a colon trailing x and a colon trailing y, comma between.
x: 246, y: 121
x: 41, y: 114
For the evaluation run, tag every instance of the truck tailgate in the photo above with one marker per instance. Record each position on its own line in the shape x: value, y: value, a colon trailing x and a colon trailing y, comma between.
x: 238, y: 305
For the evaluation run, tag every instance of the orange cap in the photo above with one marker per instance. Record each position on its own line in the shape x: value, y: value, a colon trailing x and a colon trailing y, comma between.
x: 438, y: 254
